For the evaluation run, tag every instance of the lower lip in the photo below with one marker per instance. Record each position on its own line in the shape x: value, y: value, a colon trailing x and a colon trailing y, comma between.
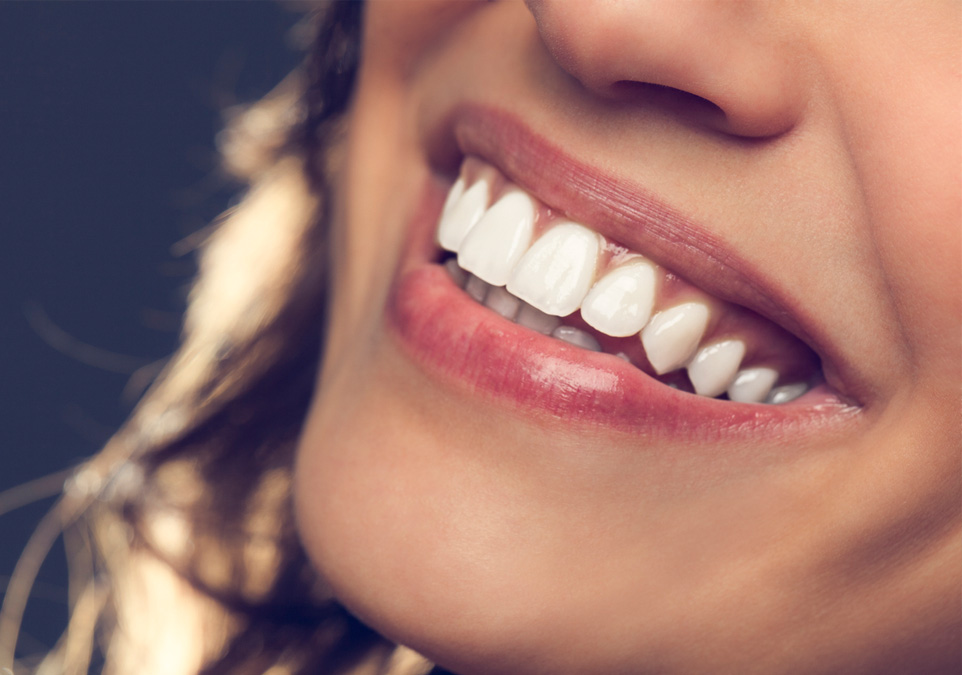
x: 471, y: 349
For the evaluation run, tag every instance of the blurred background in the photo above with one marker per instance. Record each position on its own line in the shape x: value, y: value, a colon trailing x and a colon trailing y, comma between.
x: 108, y: 113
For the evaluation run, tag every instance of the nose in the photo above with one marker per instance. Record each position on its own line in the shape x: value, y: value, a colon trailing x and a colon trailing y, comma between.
x: 726, y: 63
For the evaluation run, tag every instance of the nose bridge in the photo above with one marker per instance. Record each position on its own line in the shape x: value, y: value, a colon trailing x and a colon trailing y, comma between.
x: 732, y: 53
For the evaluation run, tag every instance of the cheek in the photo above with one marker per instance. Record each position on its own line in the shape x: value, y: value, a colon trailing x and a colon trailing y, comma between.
x: 916, y: 207
x: 903, y: 128
x: 399, y: 34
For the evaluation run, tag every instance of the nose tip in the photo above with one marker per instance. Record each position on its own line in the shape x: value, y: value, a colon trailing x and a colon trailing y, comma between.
x: 721, y: 62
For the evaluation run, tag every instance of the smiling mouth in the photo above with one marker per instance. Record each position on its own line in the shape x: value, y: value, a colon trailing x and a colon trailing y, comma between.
x: 541, y: 270
x: 549, y: 288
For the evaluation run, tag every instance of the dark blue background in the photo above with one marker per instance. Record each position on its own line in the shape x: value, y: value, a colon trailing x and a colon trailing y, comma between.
x: 108, y: 113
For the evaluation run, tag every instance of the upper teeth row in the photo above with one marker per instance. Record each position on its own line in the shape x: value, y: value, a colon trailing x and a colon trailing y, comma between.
x: 558, y: 273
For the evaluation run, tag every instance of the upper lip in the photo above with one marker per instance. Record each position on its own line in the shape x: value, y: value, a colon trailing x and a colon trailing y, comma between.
x: 630, y: 215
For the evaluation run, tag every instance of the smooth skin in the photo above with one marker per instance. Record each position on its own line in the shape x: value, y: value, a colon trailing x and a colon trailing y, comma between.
x: 819, y: 139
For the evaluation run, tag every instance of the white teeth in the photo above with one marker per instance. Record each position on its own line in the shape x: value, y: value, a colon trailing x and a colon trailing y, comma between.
x: 454, y: 194
x: 502, y: 302
x: 673, y: 335
x: 557, y: 271
x: 476, y: 288
x: 786, y: 393
x: 495, y: 245
x: 458, y: 275
x: 536, y: 320
x: 620, y: 303
x: 752, y: 385
x: 462, y: 210
x: 533, y: 283
x: 714, y: 367
x: 669, y: 341
x: 576, y: 337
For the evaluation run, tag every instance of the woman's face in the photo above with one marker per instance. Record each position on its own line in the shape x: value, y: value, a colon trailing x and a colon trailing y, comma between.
x: 769, y: 193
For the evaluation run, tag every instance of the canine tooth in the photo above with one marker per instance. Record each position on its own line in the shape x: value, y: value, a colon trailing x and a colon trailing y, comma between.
x: 620, y: 303
x: 502, y: 302
x: 752, y: 385
x: 786, y: 393
x: 495, y: 245
x: 672, y: 336
x: 536, y: 320
x: 476, y: 288
x: 557, y: 271
x: 576, y: 337
x: 454, y: 194
x: 458, y: 275
x: 714, y: 367
x: 461, y: 213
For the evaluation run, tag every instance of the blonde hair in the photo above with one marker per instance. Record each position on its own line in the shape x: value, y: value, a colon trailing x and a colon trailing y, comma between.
x: 186, y: 558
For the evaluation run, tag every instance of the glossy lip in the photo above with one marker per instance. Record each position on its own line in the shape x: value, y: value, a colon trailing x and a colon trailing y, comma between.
x: 632, y: 216
x: 477, y: 351
x: 471, y: 347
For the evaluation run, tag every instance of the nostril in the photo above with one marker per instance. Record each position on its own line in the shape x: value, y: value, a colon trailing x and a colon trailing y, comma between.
x: 663, y: 94
x: 756, y: 115
x: 675, y: 102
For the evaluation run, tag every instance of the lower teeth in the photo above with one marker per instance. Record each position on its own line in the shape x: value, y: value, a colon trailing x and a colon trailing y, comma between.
x: 503, y: 303
x: 786, y: 393
x: 500, y: 301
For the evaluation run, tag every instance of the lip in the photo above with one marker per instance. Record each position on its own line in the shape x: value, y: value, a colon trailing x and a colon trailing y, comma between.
x: 629, y: 214
x: 456, y: 339
x: 450, y: 335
